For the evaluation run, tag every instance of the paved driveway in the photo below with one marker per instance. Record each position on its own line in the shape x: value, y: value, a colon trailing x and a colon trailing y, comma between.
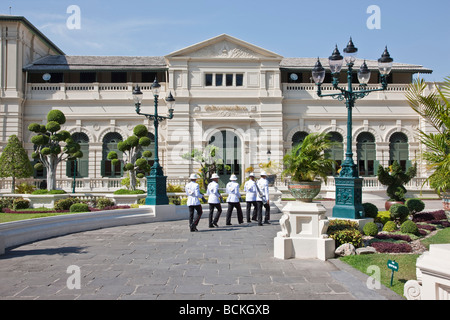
x: 164, y: 260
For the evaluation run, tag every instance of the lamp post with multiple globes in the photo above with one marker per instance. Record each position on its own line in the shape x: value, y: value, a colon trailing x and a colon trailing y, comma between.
x: 156, y: 181
x: 349, y: 184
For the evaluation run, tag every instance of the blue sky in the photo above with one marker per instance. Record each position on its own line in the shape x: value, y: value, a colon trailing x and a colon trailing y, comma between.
x: 415, y: 31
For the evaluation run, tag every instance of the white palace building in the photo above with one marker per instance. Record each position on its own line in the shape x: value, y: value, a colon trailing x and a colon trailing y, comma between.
x: 252, y: 103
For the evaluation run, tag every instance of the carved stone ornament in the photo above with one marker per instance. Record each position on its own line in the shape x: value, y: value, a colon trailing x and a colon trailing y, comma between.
x: 226, y: 111
x: 225, y: 49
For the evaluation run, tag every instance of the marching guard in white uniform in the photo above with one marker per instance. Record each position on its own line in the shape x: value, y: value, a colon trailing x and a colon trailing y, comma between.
x: 233, y: 200
x: 214, y: 199
x: 193, y: 192
x: 262, y: 198
x: 250, y: 196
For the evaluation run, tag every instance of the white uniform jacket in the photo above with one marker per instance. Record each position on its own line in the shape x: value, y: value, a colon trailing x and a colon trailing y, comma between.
x: 263, y: 186
x: 193, y: 193
x: 213, y: 192
x: 233, y: 192
x: 250, y: 189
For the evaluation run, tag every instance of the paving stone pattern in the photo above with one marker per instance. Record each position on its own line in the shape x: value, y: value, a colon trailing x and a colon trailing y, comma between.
x: 165, y: 261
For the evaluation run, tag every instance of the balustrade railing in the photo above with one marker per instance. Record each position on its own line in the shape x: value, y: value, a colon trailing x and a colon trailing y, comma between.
x: 111, y: 185
x: 49, y: 90
x: 329, y: 87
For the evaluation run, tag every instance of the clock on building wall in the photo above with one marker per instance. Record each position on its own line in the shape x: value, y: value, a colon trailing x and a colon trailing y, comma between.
x: 46, y: 77
x: 294, y: 76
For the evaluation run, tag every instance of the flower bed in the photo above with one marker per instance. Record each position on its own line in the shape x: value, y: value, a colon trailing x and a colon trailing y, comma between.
x: 7, y: 210
x: 109, y: 208
x: 430, y: 216
x: 402, y: 237
x: 390, y: 247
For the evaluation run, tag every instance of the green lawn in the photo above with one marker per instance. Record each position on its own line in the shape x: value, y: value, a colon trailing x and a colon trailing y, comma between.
x: 10, y: 217
x: 406, y: 262
x: 443, y: 236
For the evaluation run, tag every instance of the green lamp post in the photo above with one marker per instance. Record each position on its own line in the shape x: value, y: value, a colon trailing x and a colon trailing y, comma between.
x: 156, y: 181
x: 349, y: 184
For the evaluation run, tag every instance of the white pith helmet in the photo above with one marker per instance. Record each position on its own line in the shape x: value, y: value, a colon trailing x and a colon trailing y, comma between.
x: 193, y: 177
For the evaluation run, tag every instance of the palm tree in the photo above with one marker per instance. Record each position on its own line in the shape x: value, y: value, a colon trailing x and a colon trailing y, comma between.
x: 307, y: 160
x: 435, y: 109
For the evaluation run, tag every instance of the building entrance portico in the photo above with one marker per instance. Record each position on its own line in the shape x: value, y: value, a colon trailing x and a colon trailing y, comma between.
x: 230, y: 148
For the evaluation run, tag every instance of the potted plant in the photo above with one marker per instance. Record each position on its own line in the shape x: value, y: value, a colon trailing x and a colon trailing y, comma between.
x: 394, y: 178
x: 305, y: 163
x: 272, y: 169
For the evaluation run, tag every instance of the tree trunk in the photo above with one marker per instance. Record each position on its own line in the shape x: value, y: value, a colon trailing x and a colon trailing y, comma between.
x: 51, y: 172
x: 132, y: 179
x: 13, y: 186
x: 51, y: 179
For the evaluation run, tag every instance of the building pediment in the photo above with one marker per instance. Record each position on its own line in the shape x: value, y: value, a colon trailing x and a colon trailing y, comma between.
x: 224, y: 47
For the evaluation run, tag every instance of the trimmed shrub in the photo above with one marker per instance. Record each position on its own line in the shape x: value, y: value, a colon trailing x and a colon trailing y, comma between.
x: 65, y: 204
x: 102, y: 203
x: 20, y: 204
x: 24, y: 188
x: 409, y: 227
x: 126, y: 191
x: 383, y: 217
x: 347, y: 236
x: 140, y: 130
x: 6, y: 203
x: 345, y: 231
x: 415, y: 205
x: 370, y: 229
x: 370, y: 210
x: 79, y: 207
x: 57, y: 116
x: 390, y: 226
x: 44, y: 191
x: 399, y: 212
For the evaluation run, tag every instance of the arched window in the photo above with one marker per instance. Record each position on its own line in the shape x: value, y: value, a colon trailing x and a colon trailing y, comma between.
x: 82, y: 164
x: 366, y: 154
x: 399, y: 150
x: 298, y: 138
x: 110, y: 142
x: 337, y: 151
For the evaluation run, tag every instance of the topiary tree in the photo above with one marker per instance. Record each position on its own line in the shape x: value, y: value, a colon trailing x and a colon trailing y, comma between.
x: 131, y: 149
x: 53, y: 145
x: 399, y: 212
x: 415, y: 205
x: 14, y: 162
x: 394, y: 178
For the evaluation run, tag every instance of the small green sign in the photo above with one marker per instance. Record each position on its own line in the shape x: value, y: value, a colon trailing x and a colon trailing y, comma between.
x: 394, y: 267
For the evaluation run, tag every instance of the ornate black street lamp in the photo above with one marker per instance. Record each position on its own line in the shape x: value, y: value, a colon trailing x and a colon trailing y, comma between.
x: 156, y: 182
x: 349, y: 184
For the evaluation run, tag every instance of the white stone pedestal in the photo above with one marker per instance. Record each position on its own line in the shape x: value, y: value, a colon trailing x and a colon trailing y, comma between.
x: 303, y: 233
x: 433, y: 275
